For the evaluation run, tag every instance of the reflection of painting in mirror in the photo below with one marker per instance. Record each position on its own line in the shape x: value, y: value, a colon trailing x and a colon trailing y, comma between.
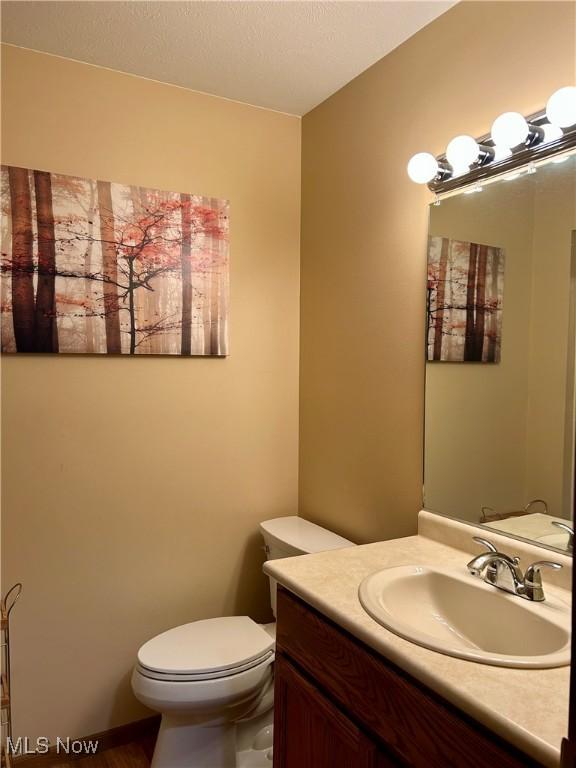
x: 464, y: 307
x: 499, y: 439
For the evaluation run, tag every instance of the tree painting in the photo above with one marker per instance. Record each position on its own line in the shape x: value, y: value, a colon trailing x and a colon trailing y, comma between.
x: 98, y: 267
x: 464, y: 308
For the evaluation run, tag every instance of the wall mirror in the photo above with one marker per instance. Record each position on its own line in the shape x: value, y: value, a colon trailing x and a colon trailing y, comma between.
x: 500, y: 352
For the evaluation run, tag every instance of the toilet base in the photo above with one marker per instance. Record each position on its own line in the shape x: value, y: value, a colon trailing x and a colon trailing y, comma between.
x: 181, y: 744
x: 252, y: 758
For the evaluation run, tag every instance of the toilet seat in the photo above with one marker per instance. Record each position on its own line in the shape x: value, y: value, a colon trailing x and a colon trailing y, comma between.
x: 186, y: 677
x: 206, y: 650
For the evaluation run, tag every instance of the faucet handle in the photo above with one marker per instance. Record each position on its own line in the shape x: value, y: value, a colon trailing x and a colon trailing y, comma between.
x: 533, y: 578
x: 533, y: 571
x: 485, y: 543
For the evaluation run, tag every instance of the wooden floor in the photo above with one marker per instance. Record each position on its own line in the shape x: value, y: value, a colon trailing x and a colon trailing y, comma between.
x: 136, y: 754
x: 126, y: 746
x: 129, y: 746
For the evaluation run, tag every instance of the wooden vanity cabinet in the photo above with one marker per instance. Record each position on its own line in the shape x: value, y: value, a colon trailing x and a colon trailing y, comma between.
x: 338, y: 704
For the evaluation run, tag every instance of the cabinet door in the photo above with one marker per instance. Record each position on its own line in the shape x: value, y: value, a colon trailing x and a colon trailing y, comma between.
x: 310, y: 732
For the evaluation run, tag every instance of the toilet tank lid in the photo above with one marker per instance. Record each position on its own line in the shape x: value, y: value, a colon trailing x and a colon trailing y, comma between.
x: 303, y: 535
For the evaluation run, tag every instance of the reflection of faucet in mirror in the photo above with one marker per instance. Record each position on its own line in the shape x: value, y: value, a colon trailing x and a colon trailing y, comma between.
x: 489, y: 514
x: 502, y: 571
x: 528, y: 507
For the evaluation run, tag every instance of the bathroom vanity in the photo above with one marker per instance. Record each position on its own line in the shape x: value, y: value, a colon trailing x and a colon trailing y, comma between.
x: 339, y: 705
x: 350, y: 693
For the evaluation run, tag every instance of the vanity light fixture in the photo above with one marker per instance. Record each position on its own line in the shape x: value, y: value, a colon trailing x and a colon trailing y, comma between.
x: 463, y: 151
x: 551, y: 132
x: 514, y: 141
x: 502, y: 153
x: 424, y: 167
x: 510, y: 130
x: 561, y: 107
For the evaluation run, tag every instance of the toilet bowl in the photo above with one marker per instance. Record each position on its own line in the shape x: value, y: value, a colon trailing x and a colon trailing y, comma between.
x: 204, y: 677
x: 212, y: 680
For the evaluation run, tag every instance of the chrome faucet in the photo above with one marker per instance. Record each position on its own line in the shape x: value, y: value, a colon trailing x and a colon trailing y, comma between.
x: 503, y: 572
x: 569, y: 530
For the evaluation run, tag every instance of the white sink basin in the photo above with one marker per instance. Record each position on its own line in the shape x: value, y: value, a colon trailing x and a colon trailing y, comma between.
x: 450, y: 611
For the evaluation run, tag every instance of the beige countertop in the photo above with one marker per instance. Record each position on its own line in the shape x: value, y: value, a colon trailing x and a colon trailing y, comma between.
x: 527, y: 707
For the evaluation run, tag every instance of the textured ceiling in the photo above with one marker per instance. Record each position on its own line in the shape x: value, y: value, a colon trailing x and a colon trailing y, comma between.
x: 288, y: 56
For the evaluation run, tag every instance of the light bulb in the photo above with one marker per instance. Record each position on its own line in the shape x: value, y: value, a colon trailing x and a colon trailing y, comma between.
x: 501, y: 153
x: 551, y: 133
x: 422, y: 168
x: 561, y: 107
x: 462, y: 152
x: 510, y: 129
x: 459, y: 170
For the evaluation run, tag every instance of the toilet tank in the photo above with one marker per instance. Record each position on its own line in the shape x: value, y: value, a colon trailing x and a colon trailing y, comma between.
x: 291, y: 536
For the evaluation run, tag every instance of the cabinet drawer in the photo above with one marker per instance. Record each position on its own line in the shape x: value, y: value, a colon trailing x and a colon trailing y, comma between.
x: 416, y: 725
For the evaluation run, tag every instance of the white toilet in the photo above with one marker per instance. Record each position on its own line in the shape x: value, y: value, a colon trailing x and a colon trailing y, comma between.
x: 212, y: 680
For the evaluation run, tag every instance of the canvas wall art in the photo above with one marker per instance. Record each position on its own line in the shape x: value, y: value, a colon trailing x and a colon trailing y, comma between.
x: 92, y: 266
x: 465, y: 294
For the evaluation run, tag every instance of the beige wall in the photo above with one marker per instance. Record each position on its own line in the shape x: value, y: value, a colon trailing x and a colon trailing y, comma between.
x: 132, y: 488
x: 364, y: 227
